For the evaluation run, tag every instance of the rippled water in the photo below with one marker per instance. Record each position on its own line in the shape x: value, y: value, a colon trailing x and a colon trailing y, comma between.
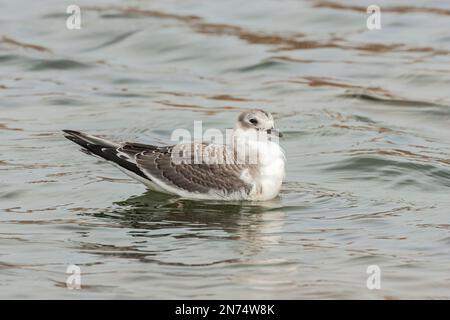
x: 367, y: 137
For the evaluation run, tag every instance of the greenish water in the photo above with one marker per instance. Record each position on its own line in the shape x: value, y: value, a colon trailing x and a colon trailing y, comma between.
x: 365, y: 117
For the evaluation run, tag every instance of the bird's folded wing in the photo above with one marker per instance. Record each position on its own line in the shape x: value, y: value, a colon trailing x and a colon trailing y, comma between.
x: 214, y: 171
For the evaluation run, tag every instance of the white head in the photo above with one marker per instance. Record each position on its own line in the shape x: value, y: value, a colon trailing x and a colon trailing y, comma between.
x: 258, y: 120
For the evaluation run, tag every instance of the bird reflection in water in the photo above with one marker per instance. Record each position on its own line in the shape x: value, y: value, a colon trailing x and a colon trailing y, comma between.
x: 251, y: 225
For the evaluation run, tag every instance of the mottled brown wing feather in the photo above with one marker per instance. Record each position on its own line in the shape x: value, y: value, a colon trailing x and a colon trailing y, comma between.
x: 190, y: 176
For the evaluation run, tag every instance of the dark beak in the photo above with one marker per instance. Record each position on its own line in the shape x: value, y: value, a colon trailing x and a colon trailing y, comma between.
x: 275, y: 132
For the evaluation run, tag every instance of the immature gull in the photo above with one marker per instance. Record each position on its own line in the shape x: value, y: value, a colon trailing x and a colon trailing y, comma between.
x: 250, y: 166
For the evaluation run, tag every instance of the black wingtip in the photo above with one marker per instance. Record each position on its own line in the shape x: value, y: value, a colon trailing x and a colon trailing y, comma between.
x: 104, y: 149
x: 71, y: 138
x: 78, y: 138
x: 71, y: 132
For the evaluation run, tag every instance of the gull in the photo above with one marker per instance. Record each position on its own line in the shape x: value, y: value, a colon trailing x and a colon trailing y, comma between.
x: 251, y: 166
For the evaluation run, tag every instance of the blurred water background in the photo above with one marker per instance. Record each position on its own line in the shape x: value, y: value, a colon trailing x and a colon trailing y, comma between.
x: 365, y: 115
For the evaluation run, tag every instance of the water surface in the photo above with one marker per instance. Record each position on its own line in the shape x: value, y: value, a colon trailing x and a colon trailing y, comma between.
x: 366, y: 121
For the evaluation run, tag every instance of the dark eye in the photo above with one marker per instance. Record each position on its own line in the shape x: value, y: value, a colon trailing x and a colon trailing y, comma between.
x: 253, y: 121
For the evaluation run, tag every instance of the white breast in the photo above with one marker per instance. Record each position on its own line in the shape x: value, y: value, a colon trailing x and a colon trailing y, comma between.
x: 271, y: 161
x: 272, y: 171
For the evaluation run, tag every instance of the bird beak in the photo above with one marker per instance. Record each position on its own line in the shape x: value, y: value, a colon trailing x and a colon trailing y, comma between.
x: 275, y: 132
